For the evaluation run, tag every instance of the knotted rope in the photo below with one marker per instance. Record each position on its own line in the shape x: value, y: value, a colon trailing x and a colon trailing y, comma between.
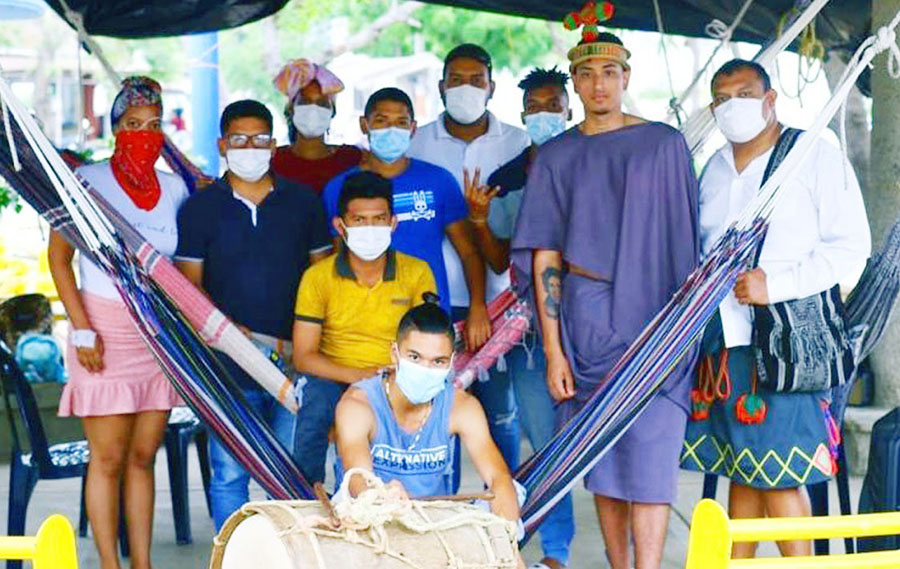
x: 365, y: 518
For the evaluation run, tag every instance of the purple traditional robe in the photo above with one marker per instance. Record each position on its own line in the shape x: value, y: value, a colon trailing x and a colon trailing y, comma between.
x: 622, y: 205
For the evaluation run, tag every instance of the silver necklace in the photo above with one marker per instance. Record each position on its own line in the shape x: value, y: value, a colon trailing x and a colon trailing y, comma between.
x: 415, y: 441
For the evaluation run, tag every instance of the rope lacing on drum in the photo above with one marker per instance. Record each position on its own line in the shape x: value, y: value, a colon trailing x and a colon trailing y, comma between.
x: 363, y: 519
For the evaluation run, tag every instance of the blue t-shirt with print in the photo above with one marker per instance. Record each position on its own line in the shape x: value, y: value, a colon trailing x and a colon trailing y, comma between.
x: 426, y: 200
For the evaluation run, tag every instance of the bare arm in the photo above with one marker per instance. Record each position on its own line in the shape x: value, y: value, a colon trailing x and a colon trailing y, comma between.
x: 478, y: 325
x: 309, y: 360
x: 495, y: 251
x: 193, y: 271
x: 59, y: 257
x: 353, y: 424
x: 468, y: 421
x: 547, y: 264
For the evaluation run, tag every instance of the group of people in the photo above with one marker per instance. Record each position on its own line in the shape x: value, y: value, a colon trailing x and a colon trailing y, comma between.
x: 353, y: 265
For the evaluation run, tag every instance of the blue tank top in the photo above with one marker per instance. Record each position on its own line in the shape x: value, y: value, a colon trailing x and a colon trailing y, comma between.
x: 426, y: 469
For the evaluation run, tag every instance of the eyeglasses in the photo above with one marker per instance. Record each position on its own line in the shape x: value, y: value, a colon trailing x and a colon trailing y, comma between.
x: 243, y: 140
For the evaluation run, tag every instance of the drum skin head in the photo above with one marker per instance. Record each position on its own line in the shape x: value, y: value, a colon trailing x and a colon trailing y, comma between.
x: 255, y: 545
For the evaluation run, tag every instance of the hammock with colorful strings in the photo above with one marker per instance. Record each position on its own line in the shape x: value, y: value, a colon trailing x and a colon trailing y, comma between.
x: 155, y: 294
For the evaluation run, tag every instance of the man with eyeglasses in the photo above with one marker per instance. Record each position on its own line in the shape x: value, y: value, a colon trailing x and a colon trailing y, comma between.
x: 246, y: 240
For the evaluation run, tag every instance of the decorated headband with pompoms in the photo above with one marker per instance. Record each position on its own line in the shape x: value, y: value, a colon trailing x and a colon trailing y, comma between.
x: 589, y: 19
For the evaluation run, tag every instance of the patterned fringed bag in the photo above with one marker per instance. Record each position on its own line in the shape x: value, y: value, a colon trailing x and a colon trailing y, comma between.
x: 802, y: 344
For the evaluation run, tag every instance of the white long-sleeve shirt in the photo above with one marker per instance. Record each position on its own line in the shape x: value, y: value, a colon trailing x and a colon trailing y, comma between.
x: 818, y: 233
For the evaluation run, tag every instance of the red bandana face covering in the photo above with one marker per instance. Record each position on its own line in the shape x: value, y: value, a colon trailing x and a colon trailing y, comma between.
x: 132, y: 165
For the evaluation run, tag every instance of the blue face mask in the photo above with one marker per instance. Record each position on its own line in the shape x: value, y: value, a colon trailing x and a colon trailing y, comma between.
x: 418, y: 383
x: 389, y: 144
x: 543, y: 126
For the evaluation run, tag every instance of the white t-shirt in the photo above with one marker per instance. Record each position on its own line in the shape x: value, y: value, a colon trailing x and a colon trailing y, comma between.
x: 158, y: 225
x: 500, y: 144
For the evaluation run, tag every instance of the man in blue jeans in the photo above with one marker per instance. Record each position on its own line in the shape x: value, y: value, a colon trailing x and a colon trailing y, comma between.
x: 493, y: 210
x: 246, y: 240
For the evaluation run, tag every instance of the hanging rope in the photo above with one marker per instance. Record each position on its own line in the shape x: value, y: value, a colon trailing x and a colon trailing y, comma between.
x: 810, y: 53
x: 716, y: 29
x: 662, y: 42
x: 700, y: 125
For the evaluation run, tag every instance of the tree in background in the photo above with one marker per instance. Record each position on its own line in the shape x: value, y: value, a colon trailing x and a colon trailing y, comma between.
x: 308, y: 28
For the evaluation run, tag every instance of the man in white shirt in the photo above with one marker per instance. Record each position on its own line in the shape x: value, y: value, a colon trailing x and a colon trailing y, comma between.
x: 469, y: 138
x: 817, y: 235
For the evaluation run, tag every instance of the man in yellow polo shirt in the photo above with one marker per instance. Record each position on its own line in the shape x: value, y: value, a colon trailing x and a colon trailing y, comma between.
x: 348, y: 308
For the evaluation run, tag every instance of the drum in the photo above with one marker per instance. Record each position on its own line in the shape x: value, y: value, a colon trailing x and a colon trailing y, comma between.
x: 374, y: 533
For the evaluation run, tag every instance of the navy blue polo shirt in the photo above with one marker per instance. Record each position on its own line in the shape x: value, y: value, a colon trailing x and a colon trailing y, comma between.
x: 253, y: 260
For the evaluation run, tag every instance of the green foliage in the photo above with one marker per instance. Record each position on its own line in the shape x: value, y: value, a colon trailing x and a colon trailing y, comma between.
x: 513, y: 42
x: 305, y: 27
x: 8, y: 198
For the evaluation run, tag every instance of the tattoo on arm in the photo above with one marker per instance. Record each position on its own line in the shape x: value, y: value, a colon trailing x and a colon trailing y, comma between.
x: 552, y: 279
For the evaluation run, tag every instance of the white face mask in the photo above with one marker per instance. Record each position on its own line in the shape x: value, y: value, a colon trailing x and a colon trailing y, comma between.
x: 466, y: 103
x: 420, y: 384
x: 543, y: 126
x: 248, y: 164
x: 311, y: 121
x: 740, y: 120
x: 369, y: 241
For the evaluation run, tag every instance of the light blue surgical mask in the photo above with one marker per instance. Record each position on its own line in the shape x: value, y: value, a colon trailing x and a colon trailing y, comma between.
x: 543, y: 126
x: 418, y: 383
x: 389, y: 144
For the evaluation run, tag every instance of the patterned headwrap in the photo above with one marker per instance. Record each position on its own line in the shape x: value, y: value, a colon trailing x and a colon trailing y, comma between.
x: 137, y: 91
x: 588, y: 19
x: 299, y: 73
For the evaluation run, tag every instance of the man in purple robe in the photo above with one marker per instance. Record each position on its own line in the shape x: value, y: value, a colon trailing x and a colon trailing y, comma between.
x: 606, y: 234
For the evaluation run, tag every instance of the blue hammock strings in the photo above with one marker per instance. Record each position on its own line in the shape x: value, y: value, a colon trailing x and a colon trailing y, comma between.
x: 188, y: 362
x: 641, y: 371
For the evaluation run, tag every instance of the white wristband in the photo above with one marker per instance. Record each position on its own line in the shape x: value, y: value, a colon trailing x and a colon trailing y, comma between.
x: 83, y: 338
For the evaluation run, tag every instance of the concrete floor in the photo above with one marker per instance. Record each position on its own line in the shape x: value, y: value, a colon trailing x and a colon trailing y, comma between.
x: 587, y: 552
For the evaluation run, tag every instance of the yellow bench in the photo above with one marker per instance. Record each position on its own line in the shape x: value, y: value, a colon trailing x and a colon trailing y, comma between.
x: 712, y: 535
x: 52, y: 548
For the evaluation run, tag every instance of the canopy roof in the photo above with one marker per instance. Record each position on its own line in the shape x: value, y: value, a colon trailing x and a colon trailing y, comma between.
x: 842, y: 24
x: 154, y: 18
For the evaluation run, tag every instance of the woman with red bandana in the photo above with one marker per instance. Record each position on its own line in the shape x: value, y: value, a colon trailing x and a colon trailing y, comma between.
x: 115, y: 384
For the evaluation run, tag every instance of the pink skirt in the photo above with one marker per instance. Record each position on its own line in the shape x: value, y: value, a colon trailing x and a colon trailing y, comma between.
x: 131, y: 380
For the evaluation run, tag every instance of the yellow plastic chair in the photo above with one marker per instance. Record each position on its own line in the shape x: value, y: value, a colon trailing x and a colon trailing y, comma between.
x: 52, y: 548
x: 712, y: 535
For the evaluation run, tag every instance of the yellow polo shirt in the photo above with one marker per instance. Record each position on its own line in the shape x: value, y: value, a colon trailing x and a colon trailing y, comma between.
x: 358, y: 322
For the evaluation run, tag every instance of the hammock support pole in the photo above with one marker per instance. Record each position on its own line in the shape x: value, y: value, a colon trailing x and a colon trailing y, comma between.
x: 883, y: 197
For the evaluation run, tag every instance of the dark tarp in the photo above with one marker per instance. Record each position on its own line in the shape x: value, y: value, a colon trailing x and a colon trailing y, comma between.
x: 152, y: 18
x: 841, y: 24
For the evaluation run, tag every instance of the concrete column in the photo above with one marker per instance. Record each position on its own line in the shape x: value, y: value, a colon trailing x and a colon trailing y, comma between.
x: 883, y: 195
